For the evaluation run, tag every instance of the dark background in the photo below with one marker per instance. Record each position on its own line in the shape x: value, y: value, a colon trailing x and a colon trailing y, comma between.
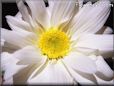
x: 11, y: 9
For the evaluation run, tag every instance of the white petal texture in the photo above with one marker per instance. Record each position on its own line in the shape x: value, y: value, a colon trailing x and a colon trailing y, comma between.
x: 83, y: 78
x: 90, y: 18
x: 28, y: 55
x: 17, y: 38
x: 80, y: 62
x: 8, y: 81
x: 9, y: 47
x: 53, y: 73
x: 18, y: 15
x: 9, y: 66
x: 28, y: 59
x: 103, y: 43
x: 23, y: 10
x: 62, y: 10
x: 39, y: 12
x: 104, y: 71
x: 27, y: 16
x: 17, y: 24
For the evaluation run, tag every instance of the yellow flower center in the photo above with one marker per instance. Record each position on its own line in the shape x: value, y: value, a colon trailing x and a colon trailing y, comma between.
x: 54, y: 43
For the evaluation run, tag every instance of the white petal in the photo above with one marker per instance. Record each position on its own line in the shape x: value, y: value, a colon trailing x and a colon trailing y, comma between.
x: 22, y: 76
x: 105, y: 30
x: 104, y: 71
x: 90, y: 18
x: 53, y: 73
x: 18, y: 24
x: 76, y: 21
x: 39, y: 12
x: 6, y: 59
x: 9, y: 65
x: 108, y: 30
x: 28, y: 55
x: 26, y: 15
x: 18, y: 15
x: 104, y: 43
x: 23, y: 10
x: 83, y: 78
x: 85, y: 50
x: 8, y: 81
x: 9, y: 48
x: 16, y: 38
x: 80, y: 62
x: 62, y: 10
x: 103, y: 82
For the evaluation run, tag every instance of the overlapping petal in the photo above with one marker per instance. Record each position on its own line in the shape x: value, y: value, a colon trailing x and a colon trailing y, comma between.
x: 23, y: 10
x: 103, y: 43
x: 28, y: 55
x: 17, y: 38
x: 103, y: 70
x: 80, y: 62
x: 38, y: 9
x: 9, y: 66
x: 17, y: 24
x: 53, y: 73
x: 62, y: 11
x: 90, y: 18
x: 83, y: 78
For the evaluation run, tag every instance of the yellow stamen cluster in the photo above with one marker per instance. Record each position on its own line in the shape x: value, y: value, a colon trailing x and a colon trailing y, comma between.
x: 54, y: 43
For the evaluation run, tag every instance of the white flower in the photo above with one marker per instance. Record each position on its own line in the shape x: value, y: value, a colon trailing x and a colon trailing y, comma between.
x: 60, y: 44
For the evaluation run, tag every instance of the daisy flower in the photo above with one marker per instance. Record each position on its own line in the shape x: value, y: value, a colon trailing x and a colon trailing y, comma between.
x: 63, y: 43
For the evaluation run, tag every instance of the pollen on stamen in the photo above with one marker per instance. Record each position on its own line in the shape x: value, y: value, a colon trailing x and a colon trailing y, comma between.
x: 54, y: 43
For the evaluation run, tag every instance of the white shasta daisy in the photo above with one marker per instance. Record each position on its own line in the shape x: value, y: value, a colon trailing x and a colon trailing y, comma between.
x: 63, y: 43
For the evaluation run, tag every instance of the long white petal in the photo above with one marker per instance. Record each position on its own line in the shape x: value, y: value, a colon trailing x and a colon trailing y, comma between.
x: 103, y: 43
x: 26, y: 15
x: 28, y: 55
x: 20, y: 24
x: 104, y: 71
x: 16, y: 38
x: 62, y: 10
x: 53, y: 73
x: 22, y: 76
x: 39, y: 12
x: 23, y: 10
x: 83, y: 78
x: 86, y: 51
x: 90, y: 18
x: 8, y: 64
x: 80, y: 62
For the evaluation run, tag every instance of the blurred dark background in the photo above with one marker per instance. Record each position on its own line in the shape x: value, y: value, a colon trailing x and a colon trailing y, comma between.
x: 11, y: 9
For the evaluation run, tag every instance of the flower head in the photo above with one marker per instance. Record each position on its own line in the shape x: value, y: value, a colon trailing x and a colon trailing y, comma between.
x: 61, y: 43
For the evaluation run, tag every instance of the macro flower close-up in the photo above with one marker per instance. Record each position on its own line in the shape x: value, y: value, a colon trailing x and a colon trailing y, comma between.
x: 64, y: 42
